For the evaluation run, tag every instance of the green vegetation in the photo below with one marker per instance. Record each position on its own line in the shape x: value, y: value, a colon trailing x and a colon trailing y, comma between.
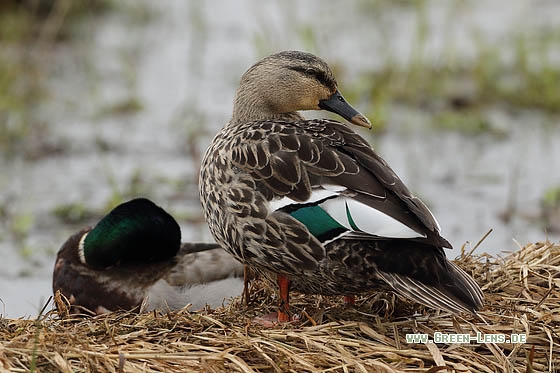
x: 27, y: 30
x: 79, y: 212
x: 474, y: 84
x: 73, y: 212
x: 127, y: 106
x: 551, y: 197
x: 468, y: 122
x: 130, y: 104
x: 550, y: 209
x: 17, y: 95
x: 21, y: 224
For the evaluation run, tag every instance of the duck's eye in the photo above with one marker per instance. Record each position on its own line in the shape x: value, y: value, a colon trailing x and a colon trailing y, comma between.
x: 318, y: 75
x: 308, y: 71
x: 315, y: 74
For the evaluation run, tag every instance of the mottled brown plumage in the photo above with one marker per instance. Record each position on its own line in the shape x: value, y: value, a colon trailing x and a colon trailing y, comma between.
x: 171, y: 277
x: 311, y: 201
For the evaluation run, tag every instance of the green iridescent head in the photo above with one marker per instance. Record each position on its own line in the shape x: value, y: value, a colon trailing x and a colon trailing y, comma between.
x: 136, y: 231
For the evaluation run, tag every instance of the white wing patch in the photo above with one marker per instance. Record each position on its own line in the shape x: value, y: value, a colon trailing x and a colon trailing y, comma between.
x: 367, y: 219
x: 341, y: 208
x: 316, y: 196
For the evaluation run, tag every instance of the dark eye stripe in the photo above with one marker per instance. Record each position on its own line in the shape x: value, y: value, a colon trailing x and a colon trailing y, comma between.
x: 315, y: 74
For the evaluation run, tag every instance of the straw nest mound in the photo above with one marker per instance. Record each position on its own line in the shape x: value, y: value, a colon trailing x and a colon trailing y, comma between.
x: 522, y: 296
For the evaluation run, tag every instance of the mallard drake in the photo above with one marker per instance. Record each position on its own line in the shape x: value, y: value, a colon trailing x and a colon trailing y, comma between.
x: 133, y: 258
x: 311, y: 201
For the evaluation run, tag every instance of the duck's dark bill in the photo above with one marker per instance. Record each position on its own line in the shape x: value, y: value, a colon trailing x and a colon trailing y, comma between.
x: 337, y: 104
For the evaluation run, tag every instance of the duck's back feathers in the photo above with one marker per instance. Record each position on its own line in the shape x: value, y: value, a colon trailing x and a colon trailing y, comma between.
x: 200, y: 263
x: 298, y: 160
x: 205, y: 274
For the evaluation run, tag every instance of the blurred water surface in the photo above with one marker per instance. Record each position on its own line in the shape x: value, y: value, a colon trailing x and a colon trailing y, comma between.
x: 137, y: 94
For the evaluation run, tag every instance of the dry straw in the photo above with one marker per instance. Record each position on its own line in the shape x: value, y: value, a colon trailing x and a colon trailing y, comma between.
x: 522, y: 296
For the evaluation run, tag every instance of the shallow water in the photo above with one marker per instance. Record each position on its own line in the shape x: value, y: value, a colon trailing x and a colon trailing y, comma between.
x: 182, y: 63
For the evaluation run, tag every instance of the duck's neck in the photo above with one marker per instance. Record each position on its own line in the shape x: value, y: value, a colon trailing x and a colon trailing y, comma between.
x: 287, y: 117
x: 251, y: 108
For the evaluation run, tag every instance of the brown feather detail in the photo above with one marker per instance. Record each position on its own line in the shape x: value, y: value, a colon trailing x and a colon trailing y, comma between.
x: 285, y: 246
x: 329, y: 163
x: 274, y: 144
x: 308, y: 151
x: 290, y: 142
x: 264, y: 172
x: 256, y: 229
x: 247, y: 157
x: 279, y: 187
x: 333, y: 154
x: 414, y: 270
x: 350, y: 165
x: 302, y: 190
x: 261, y: 156
x: 240, y: 155
x: 301, y: 244
x: 379, y: 168
x: 286, y: 167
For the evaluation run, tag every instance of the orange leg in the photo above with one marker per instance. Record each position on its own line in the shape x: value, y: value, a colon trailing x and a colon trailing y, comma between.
x: 349, y: 300
x: 284, y: 306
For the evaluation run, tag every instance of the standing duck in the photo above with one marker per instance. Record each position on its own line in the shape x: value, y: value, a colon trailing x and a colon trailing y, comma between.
x: 311, y: 202
x: 133, y: 258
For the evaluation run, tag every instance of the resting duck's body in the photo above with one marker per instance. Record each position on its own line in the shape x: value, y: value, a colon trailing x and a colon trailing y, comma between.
x: 310, y: 200
x: 133, y: 258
